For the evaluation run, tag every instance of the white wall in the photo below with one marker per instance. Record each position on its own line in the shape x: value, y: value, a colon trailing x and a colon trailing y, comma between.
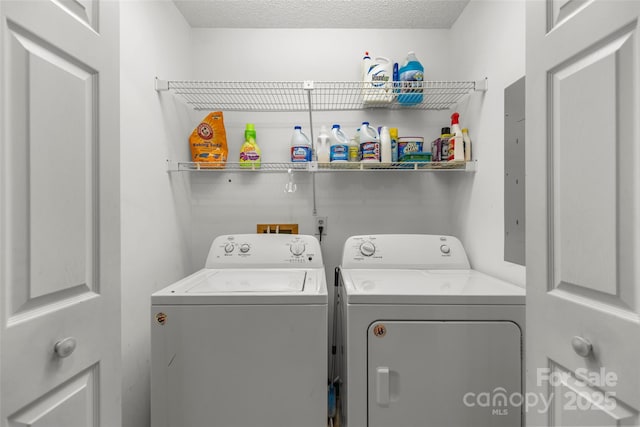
x: 488, y: 40
x: 155, y: 206
x: 355, y: 203
x: 169, y: 220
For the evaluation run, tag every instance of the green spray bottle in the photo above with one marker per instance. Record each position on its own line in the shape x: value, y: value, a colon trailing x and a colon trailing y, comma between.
x: 250, y: 152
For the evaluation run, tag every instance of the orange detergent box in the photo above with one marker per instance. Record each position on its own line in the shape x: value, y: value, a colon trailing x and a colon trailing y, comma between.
x: 208, y: 142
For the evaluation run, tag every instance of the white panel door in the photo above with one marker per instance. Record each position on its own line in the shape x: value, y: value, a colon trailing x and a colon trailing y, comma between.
x: 583, y: 213
x: 444, y: 374
x: 59, y: 217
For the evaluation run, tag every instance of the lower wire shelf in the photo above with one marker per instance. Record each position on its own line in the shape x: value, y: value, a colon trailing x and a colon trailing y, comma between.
x: 178, y: 166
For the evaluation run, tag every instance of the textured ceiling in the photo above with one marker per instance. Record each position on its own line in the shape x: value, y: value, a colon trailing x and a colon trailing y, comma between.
x: 321, y: 13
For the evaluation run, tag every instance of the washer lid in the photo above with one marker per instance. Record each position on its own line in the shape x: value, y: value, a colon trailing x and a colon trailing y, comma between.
x: 391, y: 286
x: 249, y: 280
x: 246, y: 286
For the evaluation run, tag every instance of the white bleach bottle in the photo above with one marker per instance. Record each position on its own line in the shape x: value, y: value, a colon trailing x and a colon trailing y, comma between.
x: 300, y: 146
x: 339, y: 150
x: 369, y: 143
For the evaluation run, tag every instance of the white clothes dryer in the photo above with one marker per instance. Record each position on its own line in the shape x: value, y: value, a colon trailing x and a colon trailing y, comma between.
x: 243, y: 342
x: 425, y: 340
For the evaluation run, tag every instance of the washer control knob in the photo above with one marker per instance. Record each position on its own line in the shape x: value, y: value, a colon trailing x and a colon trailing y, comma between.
x: 244, y: 248
x: 445, y: 249
x: 228, y: 248
x: 297, y: 248
x: 367, y: 249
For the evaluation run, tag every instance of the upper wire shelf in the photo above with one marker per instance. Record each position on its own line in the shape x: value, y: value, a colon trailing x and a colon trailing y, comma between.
x: 290, y: 96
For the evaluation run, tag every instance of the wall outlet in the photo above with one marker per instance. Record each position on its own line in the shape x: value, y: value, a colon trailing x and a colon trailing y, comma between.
x: 321, y: 221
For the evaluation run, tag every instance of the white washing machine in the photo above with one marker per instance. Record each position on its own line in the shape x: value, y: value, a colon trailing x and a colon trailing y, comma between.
x: 243, y: 342
x: 426, y: 340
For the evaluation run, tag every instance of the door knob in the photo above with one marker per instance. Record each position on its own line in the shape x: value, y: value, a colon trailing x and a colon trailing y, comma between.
x: 65, y: 347
x: 581, y: 346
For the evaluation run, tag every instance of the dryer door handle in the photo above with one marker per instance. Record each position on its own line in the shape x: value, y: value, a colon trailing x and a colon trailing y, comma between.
x: 382, y: 385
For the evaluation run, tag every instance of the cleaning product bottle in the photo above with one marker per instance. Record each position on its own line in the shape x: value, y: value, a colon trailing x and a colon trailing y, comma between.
x: 467, y: 144
x: 396, y: 78
x: 393, y: 134
x: 369, y: 143
x: 300, y: 146
x: 456, y: 144
x: 436, y: 147
x: 378, y: 81
x: 339, y: 150
x: 443, y: 151
x: 411, y: 78
x: 249, y: 151
x: 322, y: 149
x: 385, y: 145
x: 354, y: 148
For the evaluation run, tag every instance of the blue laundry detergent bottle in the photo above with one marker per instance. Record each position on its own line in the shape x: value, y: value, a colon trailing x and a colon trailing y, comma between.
x: 411, y: 78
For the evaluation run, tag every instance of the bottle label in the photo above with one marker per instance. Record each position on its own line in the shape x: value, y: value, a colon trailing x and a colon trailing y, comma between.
x: 300, y: 153
x: 249, y: 156
x: 455, y: 145
x: 411, y: 79
x: 378, y: 75
x: 444, y: 150
x: 435, y: 150
x: 408, y: 147
x: 339, y: 153
x: 370, y: 151
x: 354, y: 153
x: 394, y: 149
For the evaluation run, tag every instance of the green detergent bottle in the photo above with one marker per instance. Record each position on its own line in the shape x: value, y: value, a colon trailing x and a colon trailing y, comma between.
x: 250, y: 152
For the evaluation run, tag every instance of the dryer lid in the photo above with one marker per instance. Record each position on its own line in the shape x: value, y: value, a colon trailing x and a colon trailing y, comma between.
x: 395, y: 286
x: 249, y: 280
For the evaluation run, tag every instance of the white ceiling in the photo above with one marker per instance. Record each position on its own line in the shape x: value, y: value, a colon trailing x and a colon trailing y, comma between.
x: 408, y: 14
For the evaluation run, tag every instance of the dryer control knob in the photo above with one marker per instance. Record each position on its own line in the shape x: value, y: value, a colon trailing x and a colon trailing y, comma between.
x: 445, y: 249
x: 367, y: 249
x: 228, y: 248
x: 297, y: 248
x: 244, y: 248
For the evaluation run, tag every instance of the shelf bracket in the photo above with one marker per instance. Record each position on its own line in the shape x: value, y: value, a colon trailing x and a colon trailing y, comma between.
x: 307, y: 85
x: 161, y: 85
x: 482, y: 85
x: 173, y: 166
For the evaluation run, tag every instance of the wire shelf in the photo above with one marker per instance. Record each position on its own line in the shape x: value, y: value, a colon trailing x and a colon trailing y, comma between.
x: 291, y: 96
x: 176, y: 166
x: 398, y: 166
